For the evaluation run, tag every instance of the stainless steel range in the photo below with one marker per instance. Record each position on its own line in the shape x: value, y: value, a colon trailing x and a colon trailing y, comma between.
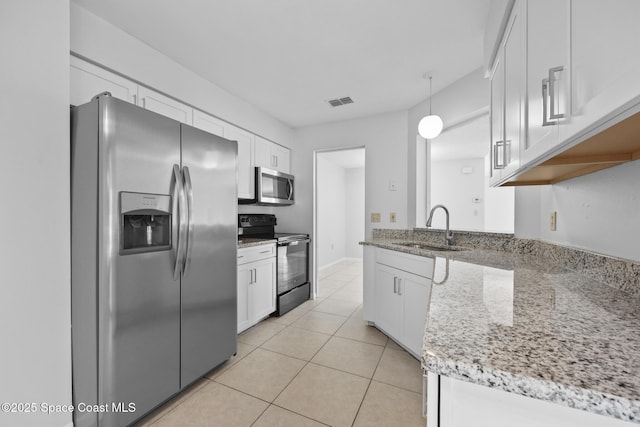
x: 293, y: 258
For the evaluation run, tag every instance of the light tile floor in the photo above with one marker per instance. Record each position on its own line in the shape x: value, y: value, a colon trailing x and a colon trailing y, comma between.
x: 318, y: 365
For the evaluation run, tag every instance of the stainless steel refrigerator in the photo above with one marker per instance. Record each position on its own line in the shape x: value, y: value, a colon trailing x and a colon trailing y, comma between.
x: 154, y: 231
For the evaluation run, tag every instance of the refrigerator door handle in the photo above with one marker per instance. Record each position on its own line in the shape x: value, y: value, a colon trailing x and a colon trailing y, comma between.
x: 188, y: 189
x: 178, y: 213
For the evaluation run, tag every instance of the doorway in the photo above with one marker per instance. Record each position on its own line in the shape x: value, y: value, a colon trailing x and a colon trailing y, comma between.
x: 338, y: 212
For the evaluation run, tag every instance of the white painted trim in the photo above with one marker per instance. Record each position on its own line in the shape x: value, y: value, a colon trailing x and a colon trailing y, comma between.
x: 69, y: 424
x: 338, y: 261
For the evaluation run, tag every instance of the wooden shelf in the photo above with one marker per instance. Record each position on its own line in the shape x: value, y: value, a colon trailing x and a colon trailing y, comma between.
x: 613, y: 146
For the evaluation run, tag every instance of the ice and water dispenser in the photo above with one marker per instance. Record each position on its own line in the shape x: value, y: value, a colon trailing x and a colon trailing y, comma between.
x: 145, y: 222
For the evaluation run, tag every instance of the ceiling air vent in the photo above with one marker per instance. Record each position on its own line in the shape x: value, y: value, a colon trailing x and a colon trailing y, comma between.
x: 340, y: 101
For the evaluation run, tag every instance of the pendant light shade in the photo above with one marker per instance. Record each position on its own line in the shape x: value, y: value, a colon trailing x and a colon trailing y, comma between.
x: 430, y: 126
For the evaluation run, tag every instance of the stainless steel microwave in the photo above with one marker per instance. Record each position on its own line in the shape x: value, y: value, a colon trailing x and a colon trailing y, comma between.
x: 273, y: 187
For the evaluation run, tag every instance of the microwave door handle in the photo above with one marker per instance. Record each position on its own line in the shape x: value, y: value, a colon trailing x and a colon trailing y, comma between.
x: 290, y: 184
x: 178, y: 213
x: 188, y: 189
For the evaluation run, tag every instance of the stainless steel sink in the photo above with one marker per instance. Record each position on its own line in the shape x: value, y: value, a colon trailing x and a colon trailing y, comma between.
x: 432, y: 247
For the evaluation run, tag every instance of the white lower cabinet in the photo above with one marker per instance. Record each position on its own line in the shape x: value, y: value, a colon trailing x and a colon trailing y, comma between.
x: 402, y: 285
x: 256, y: 284
x: 455, y: 403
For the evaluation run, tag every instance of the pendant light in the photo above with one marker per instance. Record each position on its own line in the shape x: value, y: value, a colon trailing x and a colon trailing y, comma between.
x: 430, y: 126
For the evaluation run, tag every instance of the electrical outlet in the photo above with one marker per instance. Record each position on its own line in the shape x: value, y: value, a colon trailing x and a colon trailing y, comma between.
x: 375, y: 217
x: 392, y: 217
x: 553, y: 219
x: 393, y: 186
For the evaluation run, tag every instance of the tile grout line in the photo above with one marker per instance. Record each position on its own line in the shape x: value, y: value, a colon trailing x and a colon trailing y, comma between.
x: 206, y: 379
x: 307, y: 362
x: 367, y: 390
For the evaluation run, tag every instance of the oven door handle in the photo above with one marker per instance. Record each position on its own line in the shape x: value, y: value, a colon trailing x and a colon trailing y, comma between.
x: 294, y: 242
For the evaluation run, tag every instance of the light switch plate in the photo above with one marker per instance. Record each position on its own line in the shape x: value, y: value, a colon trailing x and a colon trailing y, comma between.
x: 375, y: 217
x: 392, y: 217
x: 553, y: 219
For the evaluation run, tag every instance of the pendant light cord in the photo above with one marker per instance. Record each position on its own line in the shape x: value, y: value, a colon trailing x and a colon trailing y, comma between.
x: 430, y: 92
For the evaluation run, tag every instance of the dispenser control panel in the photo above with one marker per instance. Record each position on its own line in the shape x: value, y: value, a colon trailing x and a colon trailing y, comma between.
x: 145, y: 222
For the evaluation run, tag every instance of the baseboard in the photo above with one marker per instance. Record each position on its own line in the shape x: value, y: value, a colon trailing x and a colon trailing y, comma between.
x: 324, y: 267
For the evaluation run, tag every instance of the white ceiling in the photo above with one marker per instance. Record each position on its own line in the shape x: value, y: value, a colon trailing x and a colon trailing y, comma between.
x: 288, y: 57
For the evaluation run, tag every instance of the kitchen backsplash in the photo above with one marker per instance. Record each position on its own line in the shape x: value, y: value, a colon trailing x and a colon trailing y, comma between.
x: 617, y: 272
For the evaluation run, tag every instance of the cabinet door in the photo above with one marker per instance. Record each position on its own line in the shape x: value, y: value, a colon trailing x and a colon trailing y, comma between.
x: 246, y: 171
x: 388, y: 304
x: 88, y: 80
x: 154, y: 101
x: 497, y: 120
x: 514, y: 86
x: 548, y: 65
x: 415, y: 293
x: 209, y: 123
x: 604, y: 62
x: 262, y: 153
x: 263, y: 289
x: 281, y: 158
x: 244, y: 278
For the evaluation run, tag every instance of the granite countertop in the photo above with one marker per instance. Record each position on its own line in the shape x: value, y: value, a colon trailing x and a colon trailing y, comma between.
x: 523, y: 324
x: 247, y: 242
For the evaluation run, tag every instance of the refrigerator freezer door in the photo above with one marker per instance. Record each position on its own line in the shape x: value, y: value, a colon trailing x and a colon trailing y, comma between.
x: 139, y: 310
x: 208, y: 286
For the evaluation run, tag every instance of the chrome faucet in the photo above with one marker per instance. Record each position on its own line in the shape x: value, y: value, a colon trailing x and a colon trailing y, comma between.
x: 448, y: 235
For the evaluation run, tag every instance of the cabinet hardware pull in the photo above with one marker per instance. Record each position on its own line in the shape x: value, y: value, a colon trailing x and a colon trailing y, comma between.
x: 549, y: 96
x: 265, y: 252
x: 135, y: 101
x: 545, y: 90
x: 552, y: 95
x: 395, y: 285
x: 399, y: 286
x: 500, y: 154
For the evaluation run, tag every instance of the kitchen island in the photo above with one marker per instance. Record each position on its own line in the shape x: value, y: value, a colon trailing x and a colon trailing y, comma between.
x: 548, y: 323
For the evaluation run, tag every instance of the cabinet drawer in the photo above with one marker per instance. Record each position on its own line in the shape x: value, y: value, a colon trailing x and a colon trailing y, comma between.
x: 418, y: 265
x: 256, y: 253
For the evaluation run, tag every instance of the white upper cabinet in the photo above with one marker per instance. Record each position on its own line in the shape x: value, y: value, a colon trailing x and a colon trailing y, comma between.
x: 605, y: 61
x: 547, y: 74
x: 161, y: 104
x: 514, y: 89
x: 508, y: 99
x: 270, y: 155
x: 497, y: 119
x: 88, y: 80
x: 209, y: 123
x: 246, y: 171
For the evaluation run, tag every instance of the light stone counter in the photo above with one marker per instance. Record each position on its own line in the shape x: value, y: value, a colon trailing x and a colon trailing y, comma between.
x: 247, y: 242
x: 527, y: 323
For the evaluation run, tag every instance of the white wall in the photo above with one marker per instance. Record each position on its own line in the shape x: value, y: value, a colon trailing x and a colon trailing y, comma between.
x: 456, y: 190
x: 340, y: 210
x: 331, y: 199
x: 97, y: 40
x: 598, y: 212
x: 35, y: 360
x: 354, y: 211
x: 499, y: 208
x: 454, y: 104
x: 385, y: 140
